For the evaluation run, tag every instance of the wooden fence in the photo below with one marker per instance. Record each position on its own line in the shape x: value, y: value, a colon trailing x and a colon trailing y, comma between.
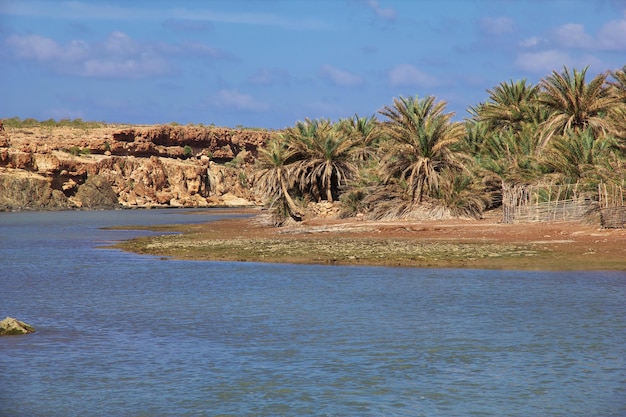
x: 563, y: 202
x: 612, y: 206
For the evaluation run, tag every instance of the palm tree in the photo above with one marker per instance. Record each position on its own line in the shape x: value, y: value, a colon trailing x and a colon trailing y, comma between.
x: 619, y: 83
x: 275, y: 177
x: 575, y: 104
x: 461, y: 195
x: 366, y: 133
x: 509, y: 106
x: 323, y: 160
x: 579, y: 155
x: 421, y: 139
x: 512, y: 156
x: 618, y: 113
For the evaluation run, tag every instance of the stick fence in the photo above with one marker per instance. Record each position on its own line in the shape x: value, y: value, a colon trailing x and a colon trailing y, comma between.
x: 563, y: 202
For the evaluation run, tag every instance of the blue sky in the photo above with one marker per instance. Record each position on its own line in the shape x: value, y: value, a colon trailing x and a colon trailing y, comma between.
x: 270, y: 63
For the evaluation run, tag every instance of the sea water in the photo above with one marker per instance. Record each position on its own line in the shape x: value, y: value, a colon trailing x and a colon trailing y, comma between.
x: 120, y: 334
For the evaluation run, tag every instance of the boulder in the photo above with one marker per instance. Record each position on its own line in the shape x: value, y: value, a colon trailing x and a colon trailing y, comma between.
x: 11, y: 326
x: 46, y: 164
x: 96, y: 192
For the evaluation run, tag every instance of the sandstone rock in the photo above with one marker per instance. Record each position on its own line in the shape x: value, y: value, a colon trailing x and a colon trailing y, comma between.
x: 69, y: 185
x: 4, y: 141
x: 46, y: 163
x: 20, y: 160
x: 10, y: 326
x: 23, y: 190
x: 145, y: 166
x: 231, y: 200
x: 96, y: 192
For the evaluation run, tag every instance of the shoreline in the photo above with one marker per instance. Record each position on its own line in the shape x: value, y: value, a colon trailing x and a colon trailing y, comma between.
x: 475, y: 244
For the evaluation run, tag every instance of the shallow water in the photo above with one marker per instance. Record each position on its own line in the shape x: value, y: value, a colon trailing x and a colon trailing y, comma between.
x: 127, y: 335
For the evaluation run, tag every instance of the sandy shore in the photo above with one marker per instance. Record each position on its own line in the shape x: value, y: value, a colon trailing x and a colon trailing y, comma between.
x: 443, y: 243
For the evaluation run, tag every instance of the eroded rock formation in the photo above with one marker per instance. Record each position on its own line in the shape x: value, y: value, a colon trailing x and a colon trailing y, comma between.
x: 148, y: 166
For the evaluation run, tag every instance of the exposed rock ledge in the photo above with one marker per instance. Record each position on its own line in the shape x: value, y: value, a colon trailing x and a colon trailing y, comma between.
x: 11, y: 326
x: 140, y: 166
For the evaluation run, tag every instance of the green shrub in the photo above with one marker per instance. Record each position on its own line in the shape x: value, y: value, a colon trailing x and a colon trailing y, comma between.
x: 77, y: 151
x: 243, y: 179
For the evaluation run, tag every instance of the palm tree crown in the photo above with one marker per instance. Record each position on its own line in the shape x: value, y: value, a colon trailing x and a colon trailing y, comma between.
x: 421, y: 136
x: 323, y: 157
x: 275, y: 177
x: 510, y: 105
x: 575, y: 104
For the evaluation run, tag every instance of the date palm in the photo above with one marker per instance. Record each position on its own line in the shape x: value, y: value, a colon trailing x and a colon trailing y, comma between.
x: 575, y: 104
x: 421, y: 138
x: 509, y: 106
x: 323, y: 160
x: 512, y: 156
x: 461, y: 194
x: 275, y: 178
x: 366, y: 133
x: 617, y: 115
x: 579, y: 155
x: 619, y: 83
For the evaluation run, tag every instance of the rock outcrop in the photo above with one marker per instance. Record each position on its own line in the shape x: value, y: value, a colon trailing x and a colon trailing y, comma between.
x: 139, y: 166
x: 11, y: 326
x: 96, y: 192
x: 23, y: 190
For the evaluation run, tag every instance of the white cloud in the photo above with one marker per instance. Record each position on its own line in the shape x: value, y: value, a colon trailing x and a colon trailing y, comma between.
x: 571, y: 45
x: 496, y: 26
x: 530, y: 42
x: 117, y: 56
x: 612, y: 36
x: 120, y: 44
x: 34, y: 47
x: 339, y: 77
x: 85, y: 10
x: 233, y: 99
x: 270, y: 76
x: 543, y: 62
x: 573, y: 35
x: 383, y: 13
x: 407, y: 75
x: 141, y: 67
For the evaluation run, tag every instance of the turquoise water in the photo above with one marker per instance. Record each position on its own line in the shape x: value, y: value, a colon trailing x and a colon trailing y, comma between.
x: 127, y: 335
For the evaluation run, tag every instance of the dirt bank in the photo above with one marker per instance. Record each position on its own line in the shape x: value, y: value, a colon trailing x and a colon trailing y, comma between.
x: 450, y: 243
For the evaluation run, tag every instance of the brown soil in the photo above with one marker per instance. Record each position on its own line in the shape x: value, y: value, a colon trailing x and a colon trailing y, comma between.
x: 434, y: 243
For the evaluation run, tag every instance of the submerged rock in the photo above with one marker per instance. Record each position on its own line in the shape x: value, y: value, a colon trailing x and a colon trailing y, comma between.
x: 11, y: 326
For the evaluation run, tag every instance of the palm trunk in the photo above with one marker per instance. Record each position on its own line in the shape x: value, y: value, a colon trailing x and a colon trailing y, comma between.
x: 329, y: 183
x: 293, y: 208
x: 329, y: 190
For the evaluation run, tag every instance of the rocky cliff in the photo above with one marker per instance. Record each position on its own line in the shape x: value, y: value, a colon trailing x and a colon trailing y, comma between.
x: 131, y: 166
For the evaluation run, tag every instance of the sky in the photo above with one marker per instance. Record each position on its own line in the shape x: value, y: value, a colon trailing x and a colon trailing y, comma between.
x: 272, y: 63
